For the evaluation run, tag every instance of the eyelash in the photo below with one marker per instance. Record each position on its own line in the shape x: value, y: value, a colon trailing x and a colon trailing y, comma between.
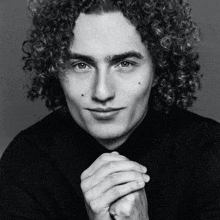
x: 74, y: 65
x: 128, y: 64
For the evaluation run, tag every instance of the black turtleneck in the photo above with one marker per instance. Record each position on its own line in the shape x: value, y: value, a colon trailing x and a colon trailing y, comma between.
x: 40, y: 170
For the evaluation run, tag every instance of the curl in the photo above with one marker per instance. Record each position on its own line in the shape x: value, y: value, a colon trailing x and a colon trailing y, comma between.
x: 164, y: 26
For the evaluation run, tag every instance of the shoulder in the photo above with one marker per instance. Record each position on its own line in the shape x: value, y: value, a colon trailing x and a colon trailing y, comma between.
x: 53, y: 122
x: 28, y: 170
x: 184, y: 128
x: 37, y: 140
x: 193, y: 146
x: 48, y: 128
x: 199, y: 133
x: 197, y: 146
x: 190, y: 125
x: 192, y: 139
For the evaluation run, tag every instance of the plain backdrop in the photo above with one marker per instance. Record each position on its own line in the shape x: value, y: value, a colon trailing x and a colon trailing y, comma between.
x: 17, y: 113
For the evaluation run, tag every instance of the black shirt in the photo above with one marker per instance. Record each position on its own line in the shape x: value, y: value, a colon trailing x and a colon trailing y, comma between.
x: 40, y: 170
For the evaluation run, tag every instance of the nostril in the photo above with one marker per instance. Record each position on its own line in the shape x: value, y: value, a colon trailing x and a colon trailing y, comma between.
x: 103, y: 90
x: 102, y: 100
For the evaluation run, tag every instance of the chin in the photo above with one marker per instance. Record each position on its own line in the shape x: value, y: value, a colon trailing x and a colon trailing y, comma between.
x: 105, y: 135
x: 108, y: 134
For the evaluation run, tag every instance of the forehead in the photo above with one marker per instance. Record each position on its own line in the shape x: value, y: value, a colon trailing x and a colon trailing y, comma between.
x: 108, y: 33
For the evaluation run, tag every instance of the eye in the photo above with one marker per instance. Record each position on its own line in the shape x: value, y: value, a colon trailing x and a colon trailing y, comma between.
x: 81, y: 66
x: 126, y: 64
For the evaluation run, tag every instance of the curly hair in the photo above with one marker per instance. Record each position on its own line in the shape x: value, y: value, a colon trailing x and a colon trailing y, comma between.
x: 165, y: 27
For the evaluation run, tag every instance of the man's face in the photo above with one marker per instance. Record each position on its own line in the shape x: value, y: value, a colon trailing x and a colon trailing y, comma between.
x: 108, y: 80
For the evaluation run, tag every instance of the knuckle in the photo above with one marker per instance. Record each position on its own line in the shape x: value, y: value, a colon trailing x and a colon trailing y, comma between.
x: 127, y: 210
x: 117, y: 192
x: 108, y: 166
x: 94, y: 206
x: 125, y: 158
x: 131, y: 198
x: 82, y: 175
x: 83, y: 186
x: 113, y: 178
x: 133, y: 186
x: 104, y: 157
x: 135, y: 164
x: 87, y: 196
x: 135, y: 175
x: 113, y: 209
x: 111, y: 165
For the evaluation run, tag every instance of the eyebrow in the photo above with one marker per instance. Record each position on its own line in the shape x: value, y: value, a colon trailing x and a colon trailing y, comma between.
x: 111, y: 59
x: 85, y: 58
x: 119, y: 57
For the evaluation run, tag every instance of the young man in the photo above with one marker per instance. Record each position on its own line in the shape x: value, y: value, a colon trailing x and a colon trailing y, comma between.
x: 118, y: 75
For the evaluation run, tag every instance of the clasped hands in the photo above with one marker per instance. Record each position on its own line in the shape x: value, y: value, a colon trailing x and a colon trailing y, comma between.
x: 113, y: 187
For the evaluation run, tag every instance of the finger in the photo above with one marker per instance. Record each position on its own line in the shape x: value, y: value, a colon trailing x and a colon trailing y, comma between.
x: 110, y: 168
x: 114, y: 180
x: 100, y: 161
x: 118, y: 166
x: 114, y: 152
x: 114, y: 194
x: 123, y: 206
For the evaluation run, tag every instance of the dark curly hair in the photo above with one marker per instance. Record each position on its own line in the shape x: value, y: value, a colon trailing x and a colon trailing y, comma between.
x: 165, y: 27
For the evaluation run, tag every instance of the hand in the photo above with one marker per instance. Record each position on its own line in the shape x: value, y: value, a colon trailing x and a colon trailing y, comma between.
x: 131, y: 207
x: 109, y: 178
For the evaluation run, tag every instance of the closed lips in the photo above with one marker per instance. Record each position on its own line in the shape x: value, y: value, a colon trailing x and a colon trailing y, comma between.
x: 104, y: 110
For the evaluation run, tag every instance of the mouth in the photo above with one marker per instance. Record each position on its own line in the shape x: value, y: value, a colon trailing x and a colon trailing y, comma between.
x: 104, y: 114
x: 104, y: 110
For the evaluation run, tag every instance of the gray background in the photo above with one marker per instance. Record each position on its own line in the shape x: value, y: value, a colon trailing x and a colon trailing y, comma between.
x: 17, y: 113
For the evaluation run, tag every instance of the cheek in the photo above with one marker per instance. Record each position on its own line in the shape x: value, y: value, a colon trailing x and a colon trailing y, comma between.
x: 131, y: 89
x: 73, y: 89
x: 73, y: 96
x: 140, y: 88
x: 139, y: 94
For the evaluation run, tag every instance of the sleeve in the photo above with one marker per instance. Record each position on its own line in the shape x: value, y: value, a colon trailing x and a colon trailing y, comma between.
x: 207, y: 176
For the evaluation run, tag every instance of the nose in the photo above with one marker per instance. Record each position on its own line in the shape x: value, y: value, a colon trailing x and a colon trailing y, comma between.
x: 103, y: 90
